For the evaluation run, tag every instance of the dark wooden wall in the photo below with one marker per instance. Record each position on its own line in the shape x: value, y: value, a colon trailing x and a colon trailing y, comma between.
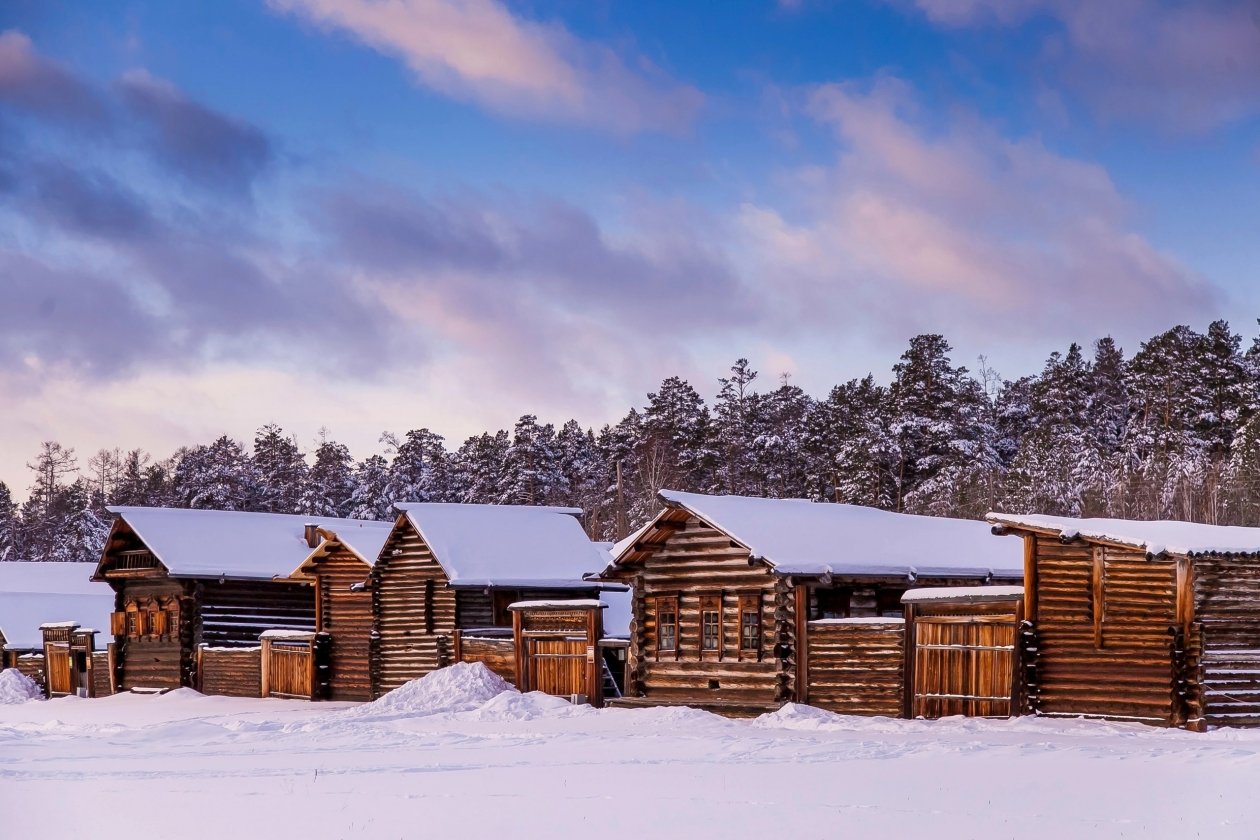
x: 233, y: 613
x: 499, y: 655
x: 346, y: 615
x: 413, y: 611
x: 1221, y: 675
x: 1104, y: 626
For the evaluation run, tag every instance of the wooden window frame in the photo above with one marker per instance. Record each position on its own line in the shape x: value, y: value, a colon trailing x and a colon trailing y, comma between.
x: 663, y: 605
x: 711, y: 605
x: 750, y: 604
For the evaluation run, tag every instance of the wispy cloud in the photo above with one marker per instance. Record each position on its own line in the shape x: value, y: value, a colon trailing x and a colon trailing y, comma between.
x: 917, y: 228
x: 479, y: 51
x: 1186, y: 66
x: 35, y: 83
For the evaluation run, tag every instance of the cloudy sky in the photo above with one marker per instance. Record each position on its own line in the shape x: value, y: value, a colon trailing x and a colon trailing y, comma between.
x: 382, y: 214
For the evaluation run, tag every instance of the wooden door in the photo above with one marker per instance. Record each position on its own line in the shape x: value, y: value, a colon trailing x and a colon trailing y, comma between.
x: 57, y: 668
x: 558, y: 665
x: 964, y: 665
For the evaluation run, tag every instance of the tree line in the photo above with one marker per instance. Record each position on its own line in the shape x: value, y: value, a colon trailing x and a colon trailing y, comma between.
x: 1172, y: 432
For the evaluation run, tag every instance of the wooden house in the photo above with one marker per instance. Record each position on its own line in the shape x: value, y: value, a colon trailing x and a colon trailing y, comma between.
x: 450, y: 572
x: 339, y: 567
x: 35, y: 595
x: 1156, y: 622
x: 184, y: 579
x: 742, y: 604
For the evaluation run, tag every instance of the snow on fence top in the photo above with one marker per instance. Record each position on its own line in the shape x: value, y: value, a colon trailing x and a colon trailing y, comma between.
x: 961, y: 593
x: 35, y: 594
x: 507, y: 545
x: 797, y: 536
x: 1155, y: 537
x: 567, y: 604
x: 236, y: 544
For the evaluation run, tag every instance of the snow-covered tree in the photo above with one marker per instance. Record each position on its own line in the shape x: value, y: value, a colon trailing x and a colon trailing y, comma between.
x: 281, y: 470
x: 370, y: 498
x: 330, y: 484
x: 532, y: 474
x: 218, y: 476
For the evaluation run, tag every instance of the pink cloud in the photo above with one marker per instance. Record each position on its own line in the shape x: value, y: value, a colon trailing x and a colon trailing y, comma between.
x: 918, y: 228
x: 1187, y: 66
x: 478, y: 50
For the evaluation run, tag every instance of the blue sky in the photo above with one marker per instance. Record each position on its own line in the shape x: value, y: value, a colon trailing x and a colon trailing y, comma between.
x: 452, y: 213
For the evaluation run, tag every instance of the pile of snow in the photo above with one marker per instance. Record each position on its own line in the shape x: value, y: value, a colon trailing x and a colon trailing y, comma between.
x: 512, y: 705
x: 462, y: 687
x: 16, y: 687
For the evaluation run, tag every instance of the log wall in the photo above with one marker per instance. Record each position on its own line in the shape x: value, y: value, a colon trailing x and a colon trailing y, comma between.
x: 697, y: 561
x: 1221, y: 677
x: 231, y: 672
x: 857, y: 667
x: 101, y: 683
x: 346, y: 616
x: 1104, y: 632
x: 32, y: 665
x: 413, y: 612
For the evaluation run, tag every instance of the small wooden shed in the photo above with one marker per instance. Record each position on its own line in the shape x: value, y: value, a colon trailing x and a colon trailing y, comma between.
x: 1156, y: 621
x: 451, y: 567
x: 184, y: 579
x: 73, y: 665
x: 741, y: 604
x: 556, y: 647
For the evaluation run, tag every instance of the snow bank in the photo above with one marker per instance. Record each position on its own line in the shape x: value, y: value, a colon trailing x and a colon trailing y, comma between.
x: 462, y: 687
x: 16, y: 687
x: 512, y: 705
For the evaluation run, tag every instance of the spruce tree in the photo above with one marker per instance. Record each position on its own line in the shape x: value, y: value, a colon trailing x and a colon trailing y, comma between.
x: 330, y: 483
x: 281, y: 470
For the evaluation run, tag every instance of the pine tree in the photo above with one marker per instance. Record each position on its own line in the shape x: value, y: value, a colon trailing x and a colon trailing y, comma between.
x: 330, y: 484
x: 584, y: 472
x: 219, y: 476
x: 141, y: 482
x: 673, y: 449
x: 370, y: 498
x: 734, y: 424
x: 10, y: 526
x: 532, y: 475
x: 281, y: 470
x: 777, y: 466
x: 480, y: 467
x: 81, y: 531
x: 42, y: 514
x: 420, y: 471
x: 865, y: 460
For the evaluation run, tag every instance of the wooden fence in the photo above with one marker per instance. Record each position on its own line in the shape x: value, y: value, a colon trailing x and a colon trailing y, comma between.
x: 498, y: 653
x: 857, y: 665
x: 231, y: 672
x: 295, y: 665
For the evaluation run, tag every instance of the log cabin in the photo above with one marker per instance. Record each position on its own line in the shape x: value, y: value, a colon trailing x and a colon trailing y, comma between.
x: 1150, y: 621
x: 736, y: 601
x: 184, y: 579
x: 36, y: 594
x: 451, y: 571
x: 339, y: 568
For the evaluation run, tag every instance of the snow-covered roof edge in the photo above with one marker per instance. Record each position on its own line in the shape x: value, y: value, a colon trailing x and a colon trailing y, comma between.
x: 961, y: 593
x: 1154, y: 537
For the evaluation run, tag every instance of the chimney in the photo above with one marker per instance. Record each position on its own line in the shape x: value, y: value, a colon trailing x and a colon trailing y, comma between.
x: 312, y: 535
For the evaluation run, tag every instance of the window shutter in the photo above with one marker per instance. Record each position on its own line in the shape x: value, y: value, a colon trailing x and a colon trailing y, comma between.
x: 118, y: 623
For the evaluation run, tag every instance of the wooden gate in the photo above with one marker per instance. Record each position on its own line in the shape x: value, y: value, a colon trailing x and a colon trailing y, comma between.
x: 556, y: 648
x: 963, y: 652
x: 294, y: 664
x: 57, y: 668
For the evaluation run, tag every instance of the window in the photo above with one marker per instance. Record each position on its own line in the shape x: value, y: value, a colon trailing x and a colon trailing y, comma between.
x: 750, y: 629
x: 888, y: 603
x: 833, y: 603
x: 667, y: 624
x: 710, y: 629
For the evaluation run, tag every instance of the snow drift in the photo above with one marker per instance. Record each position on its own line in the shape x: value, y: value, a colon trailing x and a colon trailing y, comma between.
x: 16, y: 687
x: 462, y: 687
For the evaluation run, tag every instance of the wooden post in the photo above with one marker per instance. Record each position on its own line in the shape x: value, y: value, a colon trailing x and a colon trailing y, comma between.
x: 518, y: 647
x: 1030, y: 576
x: 908, y: 648
x: 802, y: 643
x: 1099, y: 600
x: 264, y: 682
x: 112, y: 651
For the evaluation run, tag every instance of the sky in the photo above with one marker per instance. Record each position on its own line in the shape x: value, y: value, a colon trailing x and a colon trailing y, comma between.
x: 370, y: 215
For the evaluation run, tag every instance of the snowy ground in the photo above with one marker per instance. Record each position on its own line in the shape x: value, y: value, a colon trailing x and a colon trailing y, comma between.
x: 531, y: 766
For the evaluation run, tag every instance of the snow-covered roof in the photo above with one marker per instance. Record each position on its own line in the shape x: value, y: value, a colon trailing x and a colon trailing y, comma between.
x: 507, y: 545
x: 35, y: 594
x: 797, y: 536
x: 234, y: 544
x: 1154, y: 537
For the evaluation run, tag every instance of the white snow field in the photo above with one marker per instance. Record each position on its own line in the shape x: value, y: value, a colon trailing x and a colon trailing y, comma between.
x: 458, y: 756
